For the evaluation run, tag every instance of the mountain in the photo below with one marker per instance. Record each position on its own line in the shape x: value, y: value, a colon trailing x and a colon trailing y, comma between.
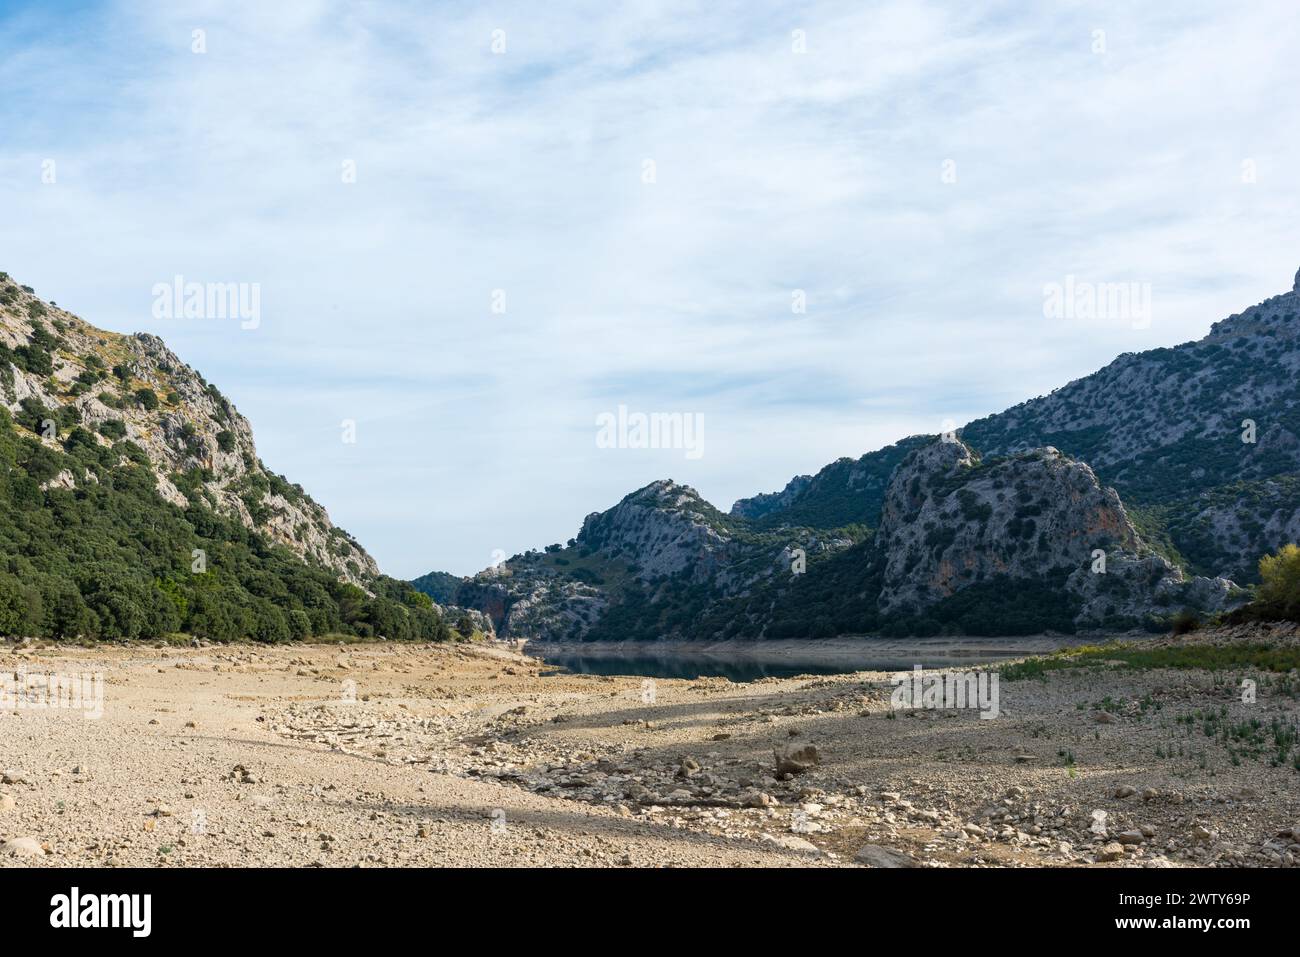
x: 846, y: 492
x: 440, y: 586
x: 134, y: 503
x: 1181, y: 465
x: 1203, y: 438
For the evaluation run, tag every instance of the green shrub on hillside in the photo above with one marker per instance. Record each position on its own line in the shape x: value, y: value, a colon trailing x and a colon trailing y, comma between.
x: 1279, y: 588
x: 111, y: 559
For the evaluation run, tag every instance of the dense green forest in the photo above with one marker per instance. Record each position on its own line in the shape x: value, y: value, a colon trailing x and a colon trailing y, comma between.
x: 111, y: 559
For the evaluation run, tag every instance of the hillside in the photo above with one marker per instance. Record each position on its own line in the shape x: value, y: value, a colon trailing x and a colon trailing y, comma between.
x: 440, y: 586
x: 1202, y: 441
x: 134, y: 503
x: 1183, y: 464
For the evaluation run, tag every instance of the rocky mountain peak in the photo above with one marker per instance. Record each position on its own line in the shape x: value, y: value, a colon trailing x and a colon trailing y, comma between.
x: 663, y: 529
x: 665, y: 493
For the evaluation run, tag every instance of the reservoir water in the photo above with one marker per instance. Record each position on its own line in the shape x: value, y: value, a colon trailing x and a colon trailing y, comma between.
x: 751, y: 661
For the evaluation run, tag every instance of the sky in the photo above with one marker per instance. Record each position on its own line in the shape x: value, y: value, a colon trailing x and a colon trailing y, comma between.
x: 475, y: 229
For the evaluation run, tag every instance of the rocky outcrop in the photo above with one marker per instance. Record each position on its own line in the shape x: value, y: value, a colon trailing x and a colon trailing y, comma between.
x: 1168, y: 426
x: 658, y: 544
x: 664, y: 529
x: 765, y: 502
x: 525, y: 601
x: 198, y: 445
x: 950, y: 521
x: 1136, y: 588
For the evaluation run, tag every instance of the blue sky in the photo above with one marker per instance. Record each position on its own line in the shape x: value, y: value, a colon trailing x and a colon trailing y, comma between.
x: 522, y: 171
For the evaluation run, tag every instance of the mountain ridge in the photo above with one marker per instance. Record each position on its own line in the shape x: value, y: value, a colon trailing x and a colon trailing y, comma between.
x: 1199, y: 445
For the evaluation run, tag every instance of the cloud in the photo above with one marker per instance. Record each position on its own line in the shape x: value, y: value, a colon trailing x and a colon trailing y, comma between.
x: 774, y: 172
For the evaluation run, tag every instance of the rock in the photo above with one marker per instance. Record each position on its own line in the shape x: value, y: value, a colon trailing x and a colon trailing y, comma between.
x: 758, y: 799
x: 1104, y: 717
x: 13, y: 777
x: 1113, y: 851
x: 792, y: 843
x: 7, y: 802
x: 1025, y: 758
x: 797, y: 761
x: 1130, y: 837
x: 1124, y: 791
x: 22, y: 847
x: 1202, y: 834
x: 1150, y: 794
x: 876, y: 855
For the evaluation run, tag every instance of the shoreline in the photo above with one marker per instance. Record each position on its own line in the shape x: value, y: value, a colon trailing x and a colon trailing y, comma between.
x: 821, y: 651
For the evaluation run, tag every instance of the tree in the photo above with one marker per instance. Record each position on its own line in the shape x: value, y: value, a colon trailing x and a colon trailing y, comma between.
x: 147, y: 398
x: 1279, y: 587
x: 112, y: 429
x: 20, y: 608
x: 269, y: 624
x: 352, y: 603
x: 299, y: 625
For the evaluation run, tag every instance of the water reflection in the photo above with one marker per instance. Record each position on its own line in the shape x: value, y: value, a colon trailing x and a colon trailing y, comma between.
x: 744, y: 669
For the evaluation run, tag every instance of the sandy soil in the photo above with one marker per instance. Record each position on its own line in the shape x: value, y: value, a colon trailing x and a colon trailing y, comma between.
x: 385, y: 755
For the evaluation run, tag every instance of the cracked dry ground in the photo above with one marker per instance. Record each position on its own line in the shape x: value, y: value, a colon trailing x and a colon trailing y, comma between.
x: 459, y: 755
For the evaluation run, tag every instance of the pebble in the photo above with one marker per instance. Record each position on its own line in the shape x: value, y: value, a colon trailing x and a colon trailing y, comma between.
x: 22, y: 847
x: 797, y: 761
x: 791, y: 843
x: 1111, y: 852
x: 876, y: 855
